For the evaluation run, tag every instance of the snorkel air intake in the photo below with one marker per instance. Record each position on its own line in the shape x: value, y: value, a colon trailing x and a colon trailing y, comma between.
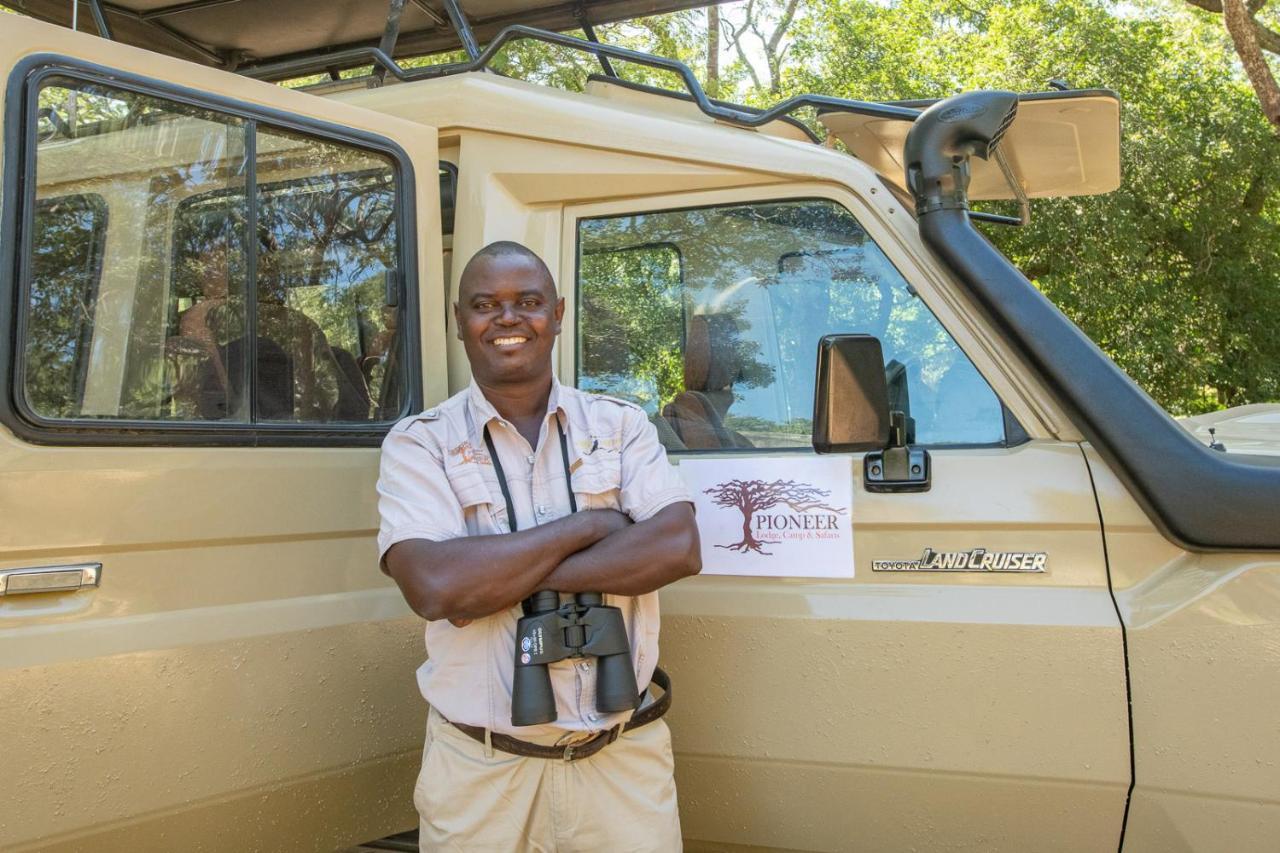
x: 1198, y: 498
x: 943, y: 139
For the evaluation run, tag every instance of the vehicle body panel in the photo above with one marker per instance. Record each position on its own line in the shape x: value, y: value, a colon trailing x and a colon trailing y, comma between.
x: 1203, y: 634
x: 243, y: 671
x: 1253, y: 429
x: 733, y: 643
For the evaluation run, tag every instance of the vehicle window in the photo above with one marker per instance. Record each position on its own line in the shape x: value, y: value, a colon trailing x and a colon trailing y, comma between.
x: 325, y: 244
x: 66, y: 262
x: 173, y: 331
x: 633, y: 297
x: 710, y: 317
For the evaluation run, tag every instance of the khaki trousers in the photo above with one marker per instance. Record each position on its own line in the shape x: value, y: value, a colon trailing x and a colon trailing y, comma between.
x: 622, y: 799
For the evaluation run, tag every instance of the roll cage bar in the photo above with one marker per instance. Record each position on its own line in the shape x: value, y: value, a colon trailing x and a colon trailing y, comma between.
x: 722, y: 110
x: 480, y: 60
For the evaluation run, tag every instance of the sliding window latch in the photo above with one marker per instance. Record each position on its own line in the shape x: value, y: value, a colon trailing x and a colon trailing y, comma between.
x: 391, y: 283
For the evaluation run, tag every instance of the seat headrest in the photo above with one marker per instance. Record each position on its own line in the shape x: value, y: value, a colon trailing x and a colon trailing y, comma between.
x: 712, y: 361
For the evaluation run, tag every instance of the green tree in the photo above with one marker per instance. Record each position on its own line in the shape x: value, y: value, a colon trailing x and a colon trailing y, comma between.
x: 1177, y: 274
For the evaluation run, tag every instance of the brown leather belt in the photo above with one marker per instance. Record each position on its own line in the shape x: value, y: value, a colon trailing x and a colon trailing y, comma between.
x: 586, y: 748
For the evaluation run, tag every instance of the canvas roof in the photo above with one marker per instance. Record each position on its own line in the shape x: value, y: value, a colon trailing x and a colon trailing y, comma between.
x: 226, y: 33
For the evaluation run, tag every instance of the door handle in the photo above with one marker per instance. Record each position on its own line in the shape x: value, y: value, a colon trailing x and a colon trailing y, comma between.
x: 50, y: 578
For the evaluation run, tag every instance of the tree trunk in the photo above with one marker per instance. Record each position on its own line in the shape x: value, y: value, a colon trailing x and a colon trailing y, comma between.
x: 749, y: 541
x: 713, y: 51
x: 1239, y: 21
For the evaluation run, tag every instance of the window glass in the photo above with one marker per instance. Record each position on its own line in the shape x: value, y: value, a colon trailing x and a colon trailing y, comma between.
x: 66, y: 262
x: 140, y: 156
x: 172, y: 330
x: 709, y: 318
x: 326, y: 243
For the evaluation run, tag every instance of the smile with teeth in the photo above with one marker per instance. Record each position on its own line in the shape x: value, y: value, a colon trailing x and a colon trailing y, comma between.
x: 515, y: 340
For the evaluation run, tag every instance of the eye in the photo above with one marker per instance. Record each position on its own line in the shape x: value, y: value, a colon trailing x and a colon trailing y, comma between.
x: 530, y: 302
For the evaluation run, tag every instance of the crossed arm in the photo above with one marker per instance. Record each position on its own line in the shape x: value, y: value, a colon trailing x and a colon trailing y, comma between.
x: 591, y: 551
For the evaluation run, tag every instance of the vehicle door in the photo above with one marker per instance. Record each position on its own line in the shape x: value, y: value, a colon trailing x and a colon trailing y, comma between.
x: 895, y: 707
x: 211, y: 317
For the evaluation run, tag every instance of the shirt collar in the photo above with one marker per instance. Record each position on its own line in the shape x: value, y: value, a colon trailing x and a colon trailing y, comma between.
x: 485, y: 412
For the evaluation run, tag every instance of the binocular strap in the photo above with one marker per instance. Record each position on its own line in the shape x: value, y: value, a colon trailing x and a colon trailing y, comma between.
x: 502, y: 477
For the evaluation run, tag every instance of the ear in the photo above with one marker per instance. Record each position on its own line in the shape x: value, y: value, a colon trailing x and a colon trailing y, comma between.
x: 559, y: 313
x: 457, y: 321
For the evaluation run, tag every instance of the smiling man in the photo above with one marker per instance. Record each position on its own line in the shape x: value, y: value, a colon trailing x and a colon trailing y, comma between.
x: 515, y: 485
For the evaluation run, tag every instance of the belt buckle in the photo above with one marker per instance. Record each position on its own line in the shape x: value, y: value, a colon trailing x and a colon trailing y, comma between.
x: 568, y: 752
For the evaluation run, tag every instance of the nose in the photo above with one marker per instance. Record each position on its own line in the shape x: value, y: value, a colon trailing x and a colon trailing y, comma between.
x: 508, y: 317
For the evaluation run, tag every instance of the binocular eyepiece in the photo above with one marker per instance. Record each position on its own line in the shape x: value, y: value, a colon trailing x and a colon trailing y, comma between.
x: 550, y: 632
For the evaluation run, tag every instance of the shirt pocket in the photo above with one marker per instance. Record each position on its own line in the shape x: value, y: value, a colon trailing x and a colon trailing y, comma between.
x: 598, y: 481
x: 471, y: 487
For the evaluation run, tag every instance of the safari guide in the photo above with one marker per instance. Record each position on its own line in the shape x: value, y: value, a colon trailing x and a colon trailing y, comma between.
x: 531, y: 525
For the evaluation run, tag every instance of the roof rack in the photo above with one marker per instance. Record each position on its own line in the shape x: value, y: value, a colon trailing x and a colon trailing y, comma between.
x: 685, y: 97
x: 737, y: 114
x: 722, y: 110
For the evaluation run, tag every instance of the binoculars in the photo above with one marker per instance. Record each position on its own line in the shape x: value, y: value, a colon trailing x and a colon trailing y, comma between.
x: 550, y: 632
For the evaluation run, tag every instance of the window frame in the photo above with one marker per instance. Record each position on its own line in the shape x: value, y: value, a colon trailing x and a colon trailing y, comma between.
x: 19, y: 185
x: 1013, y: 432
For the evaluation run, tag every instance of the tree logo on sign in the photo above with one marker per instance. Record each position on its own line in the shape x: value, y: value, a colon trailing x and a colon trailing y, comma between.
x: 804, y: 512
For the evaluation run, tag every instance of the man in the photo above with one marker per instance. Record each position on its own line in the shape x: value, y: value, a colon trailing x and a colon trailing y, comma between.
x: 467, y: 538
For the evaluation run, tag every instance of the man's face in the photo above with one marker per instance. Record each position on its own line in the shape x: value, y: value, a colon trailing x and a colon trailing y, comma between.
x: 508, y: 318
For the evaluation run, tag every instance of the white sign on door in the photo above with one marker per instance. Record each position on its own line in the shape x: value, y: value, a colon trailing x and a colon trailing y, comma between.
x: 781, y: 516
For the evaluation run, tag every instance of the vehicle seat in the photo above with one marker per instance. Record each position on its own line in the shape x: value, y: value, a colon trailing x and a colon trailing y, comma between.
x: 294, y: 356
x: 353, y: 391
x: 274, y: 384
x: 696, y: 415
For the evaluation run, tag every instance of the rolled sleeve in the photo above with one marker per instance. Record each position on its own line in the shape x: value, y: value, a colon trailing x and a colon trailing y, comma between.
x: 649, y: 482
x: 414, y: 497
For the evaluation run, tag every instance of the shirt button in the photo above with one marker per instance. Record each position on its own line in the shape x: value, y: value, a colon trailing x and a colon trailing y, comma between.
x: 592, y: 717
x: 531, y: 459
x: 542, y: 510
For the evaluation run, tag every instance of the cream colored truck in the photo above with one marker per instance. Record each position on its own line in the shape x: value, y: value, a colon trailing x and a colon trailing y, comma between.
x: 197, y: 651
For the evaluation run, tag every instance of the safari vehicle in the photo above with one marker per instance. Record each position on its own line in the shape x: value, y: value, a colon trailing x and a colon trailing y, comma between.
x: 219, y: 293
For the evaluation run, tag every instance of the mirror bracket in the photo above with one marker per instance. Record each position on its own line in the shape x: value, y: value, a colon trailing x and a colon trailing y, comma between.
x: 899, y: 467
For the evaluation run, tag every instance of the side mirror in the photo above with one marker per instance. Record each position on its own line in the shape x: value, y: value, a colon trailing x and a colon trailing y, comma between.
x: 851, y: 400
x: 851, y: 413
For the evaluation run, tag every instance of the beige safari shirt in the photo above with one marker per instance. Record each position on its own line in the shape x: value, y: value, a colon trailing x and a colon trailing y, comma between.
x: 437, y: 482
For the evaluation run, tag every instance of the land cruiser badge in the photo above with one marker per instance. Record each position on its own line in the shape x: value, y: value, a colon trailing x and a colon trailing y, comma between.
x: 977, y: 560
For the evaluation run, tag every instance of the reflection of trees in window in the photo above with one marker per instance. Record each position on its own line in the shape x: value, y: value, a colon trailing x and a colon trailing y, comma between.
x: 632, y: 344
x: 640, y: 303
x: 181, y: 346
x: 325, y: 241
x: 761, y: 283
x: 75, y: 109
x: 66, y: 264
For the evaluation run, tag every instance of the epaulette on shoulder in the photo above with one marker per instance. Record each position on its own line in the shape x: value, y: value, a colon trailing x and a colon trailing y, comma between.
x: 617, y: 400
x: 432, y: 414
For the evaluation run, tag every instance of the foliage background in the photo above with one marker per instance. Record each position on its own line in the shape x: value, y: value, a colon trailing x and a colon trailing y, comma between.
x: 1176, y: 275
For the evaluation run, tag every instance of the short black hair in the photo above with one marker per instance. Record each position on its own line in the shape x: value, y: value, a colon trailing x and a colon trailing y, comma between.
x: 503, y: 249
